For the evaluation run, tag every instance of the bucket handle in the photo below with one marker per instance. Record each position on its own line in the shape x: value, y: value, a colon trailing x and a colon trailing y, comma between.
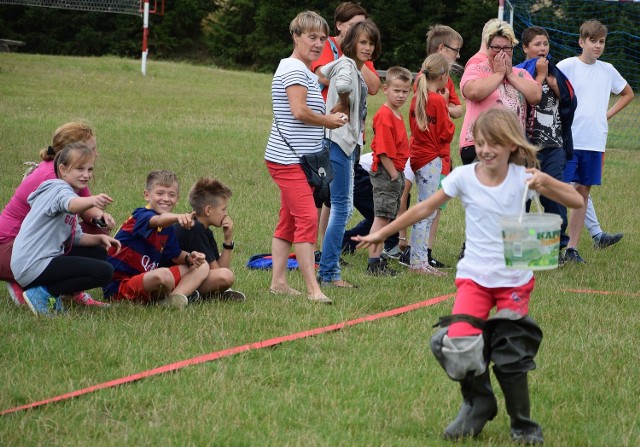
x: 523, y: 207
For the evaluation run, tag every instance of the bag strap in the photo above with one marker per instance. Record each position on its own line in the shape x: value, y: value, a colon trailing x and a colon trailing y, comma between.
x: 275, y: 120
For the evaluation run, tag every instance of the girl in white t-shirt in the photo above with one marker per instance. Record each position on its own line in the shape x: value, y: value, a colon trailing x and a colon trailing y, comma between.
x: 489, y: 188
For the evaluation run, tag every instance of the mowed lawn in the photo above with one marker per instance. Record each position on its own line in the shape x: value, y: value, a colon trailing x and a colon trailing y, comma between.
x: 375, y: 383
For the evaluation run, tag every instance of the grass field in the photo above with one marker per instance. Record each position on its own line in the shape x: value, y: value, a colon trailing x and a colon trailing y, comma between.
x: 370, y: 384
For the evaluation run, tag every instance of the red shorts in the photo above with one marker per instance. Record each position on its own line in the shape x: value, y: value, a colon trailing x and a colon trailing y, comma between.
x: 132, y: 289
x: 5, y: 261
x: 476, y: 300
x: 298, y: 220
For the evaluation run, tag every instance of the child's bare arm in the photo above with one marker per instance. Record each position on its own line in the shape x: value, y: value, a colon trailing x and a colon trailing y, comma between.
x: 554, y: 189
x: 626, y: 96
x: 100, y: 239
x: 167, y: 219
x: 79, y: 204
x: 227, y: 231
x: 412, y: 215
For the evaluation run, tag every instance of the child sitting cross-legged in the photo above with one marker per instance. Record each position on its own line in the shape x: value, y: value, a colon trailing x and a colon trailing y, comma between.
x: 209, y: 199
x: 148, y: 240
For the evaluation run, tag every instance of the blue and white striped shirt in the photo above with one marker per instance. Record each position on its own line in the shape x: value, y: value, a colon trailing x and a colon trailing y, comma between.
x: 304, y: 138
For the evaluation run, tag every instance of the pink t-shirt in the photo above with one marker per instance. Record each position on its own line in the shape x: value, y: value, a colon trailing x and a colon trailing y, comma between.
x: 17, y: 209
x: 506, y: 94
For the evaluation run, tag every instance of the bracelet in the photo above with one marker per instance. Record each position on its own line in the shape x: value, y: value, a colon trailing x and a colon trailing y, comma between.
x: 187, y: 260
x: 230, y: 246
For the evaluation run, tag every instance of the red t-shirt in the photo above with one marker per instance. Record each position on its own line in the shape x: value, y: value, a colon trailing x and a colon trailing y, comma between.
x: 328, y: 56
x: 427, y: 145
x: 389, y: 138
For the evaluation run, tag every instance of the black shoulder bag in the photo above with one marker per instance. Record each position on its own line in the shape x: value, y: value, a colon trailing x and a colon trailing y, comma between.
x: 317, y: 167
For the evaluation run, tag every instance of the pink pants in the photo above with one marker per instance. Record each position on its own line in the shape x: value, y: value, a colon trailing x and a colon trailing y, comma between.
x: 476, y: 300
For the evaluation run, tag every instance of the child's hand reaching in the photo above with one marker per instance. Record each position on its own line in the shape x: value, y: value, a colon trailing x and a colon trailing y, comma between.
x: 537, y: 180
x: 186, y: 220
x: 101, y: 201
x: 372, y: 239
x: 107, y: 242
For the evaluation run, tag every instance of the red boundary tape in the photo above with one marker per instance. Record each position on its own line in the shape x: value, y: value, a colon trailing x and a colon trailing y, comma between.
x: 229, y: 352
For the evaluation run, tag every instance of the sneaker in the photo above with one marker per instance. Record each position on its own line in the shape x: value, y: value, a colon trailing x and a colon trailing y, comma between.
x: 193, y: 297
x: 380, y: 268
x: 603, y: 240
x: 86, y: 300
x: 41, y: 302
x: 229, y: 295
x: 433, y: 262
x: 572, y: 255
x: 174, y: 300
x: 405, y: 257
x: 426, y: 269
x: 392, y: 253
x: 15, y: 292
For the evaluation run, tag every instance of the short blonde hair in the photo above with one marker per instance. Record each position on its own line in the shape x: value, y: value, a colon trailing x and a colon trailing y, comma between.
x: 499, y: 28
x: 162, y: 177
x: 306, y: 22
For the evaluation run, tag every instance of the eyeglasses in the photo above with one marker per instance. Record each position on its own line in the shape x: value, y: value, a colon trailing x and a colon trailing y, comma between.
x: 455, y: 50
x: 498, y: 48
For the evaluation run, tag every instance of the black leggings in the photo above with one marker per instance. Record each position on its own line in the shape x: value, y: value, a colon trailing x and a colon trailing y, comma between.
x: 83, y: 268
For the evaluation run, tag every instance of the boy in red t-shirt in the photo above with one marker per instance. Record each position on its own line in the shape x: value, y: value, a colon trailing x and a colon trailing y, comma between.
x: 390, y: 147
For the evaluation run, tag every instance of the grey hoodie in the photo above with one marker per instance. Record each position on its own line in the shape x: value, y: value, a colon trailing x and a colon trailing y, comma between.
x: 46, y: 231
x: 344, y: 76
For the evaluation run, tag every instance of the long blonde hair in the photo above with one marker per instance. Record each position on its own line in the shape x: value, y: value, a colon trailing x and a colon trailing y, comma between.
x: 434, y: 66
x: 500, y: 126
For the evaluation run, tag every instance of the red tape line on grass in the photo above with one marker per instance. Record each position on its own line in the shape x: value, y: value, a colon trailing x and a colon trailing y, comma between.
x: 600, y: 292
x: 229, y: 352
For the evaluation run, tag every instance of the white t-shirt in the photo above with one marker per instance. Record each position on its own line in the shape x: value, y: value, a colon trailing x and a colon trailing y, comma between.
x: 304, y: 138
x: 593, y: 83
x: 483, y: 260
x: 366, y: 160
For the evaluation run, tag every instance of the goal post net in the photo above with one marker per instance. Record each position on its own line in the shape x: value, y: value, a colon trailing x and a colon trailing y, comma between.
x: 135, y: 7
x: 114, y: 6
x: 562, y: 20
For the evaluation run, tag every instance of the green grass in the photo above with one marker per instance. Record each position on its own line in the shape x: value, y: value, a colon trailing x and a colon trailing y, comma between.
x: 371, y: 384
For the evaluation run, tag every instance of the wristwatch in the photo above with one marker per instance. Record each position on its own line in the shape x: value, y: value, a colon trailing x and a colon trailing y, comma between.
x: 230, y: 246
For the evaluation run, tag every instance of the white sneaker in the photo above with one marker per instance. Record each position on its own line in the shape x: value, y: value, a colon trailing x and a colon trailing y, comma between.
x: 174, y: 300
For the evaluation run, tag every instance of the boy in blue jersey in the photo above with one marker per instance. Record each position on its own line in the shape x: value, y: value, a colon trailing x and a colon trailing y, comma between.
x: 148, y: 240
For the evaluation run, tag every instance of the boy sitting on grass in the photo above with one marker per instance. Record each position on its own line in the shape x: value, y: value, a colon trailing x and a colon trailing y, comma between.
x: 209, y: 199
x: 148, y: 240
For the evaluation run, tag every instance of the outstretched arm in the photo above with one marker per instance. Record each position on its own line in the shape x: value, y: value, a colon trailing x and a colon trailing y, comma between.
x: 412, y: 215
x: 554, y: 189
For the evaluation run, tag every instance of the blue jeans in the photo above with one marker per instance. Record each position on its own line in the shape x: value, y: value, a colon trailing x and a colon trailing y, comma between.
x: 341, y: 208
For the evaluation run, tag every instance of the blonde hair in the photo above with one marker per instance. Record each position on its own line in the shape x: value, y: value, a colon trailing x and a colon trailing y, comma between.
x: 66, y: 134
x: 500, y: 126
x: 306, y: 22
x: 441, y: 35
x: 398, y: 74
x: 434, y: 66
x: 499, y: 28
x: 73, y: 154
x: 162, y: 177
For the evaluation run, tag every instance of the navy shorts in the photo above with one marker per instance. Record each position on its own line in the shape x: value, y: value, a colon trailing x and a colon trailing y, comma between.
x: 585, y: 168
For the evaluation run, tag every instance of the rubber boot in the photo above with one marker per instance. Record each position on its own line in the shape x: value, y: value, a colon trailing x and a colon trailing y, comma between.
x: 478, y: 407
x: 516, y: 397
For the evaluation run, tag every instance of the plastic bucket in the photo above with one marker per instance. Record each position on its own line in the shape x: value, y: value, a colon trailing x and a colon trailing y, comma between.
x: 531, y: 241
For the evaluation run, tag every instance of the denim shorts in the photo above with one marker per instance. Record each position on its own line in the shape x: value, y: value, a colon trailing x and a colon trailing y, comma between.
x: 386, y: 192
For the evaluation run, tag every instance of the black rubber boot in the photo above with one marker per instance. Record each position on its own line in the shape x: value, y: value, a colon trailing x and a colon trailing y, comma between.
x: 516, y: 397
x: 513, y: 343
x: 478, y: 407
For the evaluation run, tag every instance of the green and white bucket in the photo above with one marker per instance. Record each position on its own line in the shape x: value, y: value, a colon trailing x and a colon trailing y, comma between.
x: 531, y: 241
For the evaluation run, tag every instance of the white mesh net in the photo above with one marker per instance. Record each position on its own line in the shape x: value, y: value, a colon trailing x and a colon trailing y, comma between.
x: 113, y: 6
